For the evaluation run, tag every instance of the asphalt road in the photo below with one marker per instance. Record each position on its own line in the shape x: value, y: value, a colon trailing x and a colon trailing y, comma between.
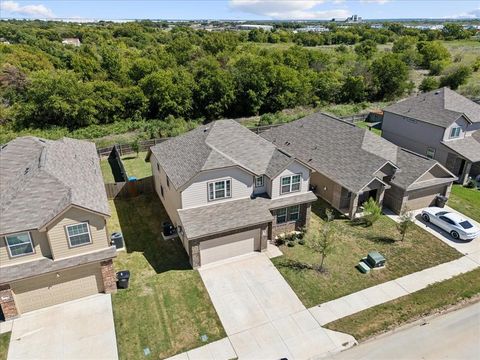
x: 455, y: 335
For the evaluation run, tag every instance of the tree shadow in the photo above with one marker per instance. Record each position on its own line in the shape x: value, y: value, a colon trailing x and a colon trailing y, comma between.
x: 141, y: 219
x: 295, y: 265
x: 382, y: 239
x: 360, y: 222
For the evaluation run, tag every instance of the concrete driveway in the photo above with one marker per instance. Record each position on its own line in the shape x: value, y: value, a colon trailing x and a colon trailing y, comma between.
x: 262, y: 316
x: 80, y: 329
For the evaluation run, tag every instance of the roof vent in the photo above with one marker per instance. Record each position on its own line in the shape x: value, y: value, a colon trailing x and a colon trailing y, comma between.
x: 205, y: 130
x: 287, y: 143
x: 437, y: 92
x: 309, y: 160
x: 26, y: 171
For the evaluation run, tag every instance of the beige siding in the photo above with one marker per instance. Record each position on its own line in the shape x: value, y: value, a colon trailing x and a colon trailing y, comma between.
x: 55, y: 288
x: 462, y: 123
x: 196, y: 194
x: 293, y: 168
x: 58, y: 237
x: 329, y: 190
x: 421, y: 198
x: 395, y: 199
x: 40, y: 243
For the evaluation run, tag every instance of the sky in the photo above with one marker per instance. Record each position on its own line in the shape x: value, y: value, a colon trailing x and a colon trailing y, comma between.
x: 238, y: 9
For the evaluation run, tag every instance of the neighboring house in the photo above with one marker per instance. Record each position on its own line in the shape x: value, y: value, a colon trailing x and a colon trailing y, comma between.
x: 71, y: 41
x: 352, y: 164
x: 440, y: 124
x: 54, y: 244
x: 228, y: 191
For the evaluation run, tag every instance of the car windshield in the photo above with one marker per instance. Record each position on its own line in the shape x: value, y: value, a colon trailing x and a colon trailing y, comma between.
x: 466, y: 225
x: 441, y: 213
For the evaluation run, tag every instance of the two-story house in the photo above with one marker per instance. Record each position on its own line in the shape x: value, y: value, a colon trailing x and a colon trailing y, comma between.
x: 54, y: 244
x: 441, y: 125
x: 228, y: 190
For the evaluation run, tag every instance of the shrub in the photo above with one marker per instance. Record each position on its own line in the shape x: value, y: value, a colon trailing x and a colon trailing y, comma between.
x: 371, y: 212
x: 301, y: 242
x: 428, y: 84
x: 291, y: 243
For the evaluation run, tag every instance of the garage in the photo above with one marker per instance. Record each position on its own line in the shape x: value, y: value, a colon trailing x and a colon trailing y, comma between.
x: 55, y: 288
x: 421, y: 198
x: 225, y: 247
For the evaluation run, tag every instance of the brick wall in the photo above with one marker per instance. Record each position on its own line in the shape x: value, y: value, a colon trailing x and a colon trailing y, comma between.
x: 7, y: 302
x: 109, y: 277
x: 290, y: 226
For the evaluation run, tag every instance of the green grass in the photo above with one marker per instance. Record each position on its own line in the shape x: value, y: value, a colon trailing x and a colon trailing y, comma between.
x: 134, y: 166
x: 465, y: 200
x: 166, y: 308
x: 364, y: 125
x: 4, y: 342
x: 425, y: 302
x: 420, y: 250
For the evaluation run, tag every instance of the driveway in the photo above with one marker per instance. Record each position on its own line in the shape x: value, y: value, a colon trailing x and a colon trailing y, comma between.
x: 80, y: 329
x: 262, y: 316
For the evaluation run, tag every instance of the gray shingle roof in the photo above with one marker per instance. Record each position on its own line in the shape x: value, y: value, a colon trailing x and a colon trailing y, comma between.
x: 40, y: 178
x: 219, y: 144
x: 468, y: 147
x: 439, y: 107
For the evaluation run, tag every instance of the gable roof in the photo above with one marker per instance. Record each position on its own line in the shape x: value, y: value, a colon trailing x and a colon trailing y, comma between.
x: 41, y: 178
x: 468, y: 147
x: 438, y: 107
x: 220, y: 144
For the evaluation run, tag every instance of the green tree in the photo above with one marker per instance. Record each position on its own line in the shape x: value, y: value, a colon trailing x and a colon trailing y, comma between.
x: 322, y: 242
x: 372, y: 211
x: 390, y: 76
x: 454, y: 31
x: 366, y: 48
x: 405, y: 223
x: 432, y: 51
x: 353, y: 89
x: 456, y: 77
x: 429, y: 83
x: 141, y: 68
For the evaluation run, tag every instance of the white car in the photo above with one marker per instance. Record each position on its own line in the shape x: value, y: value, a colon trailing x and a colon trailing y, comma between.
x: 456, y: 225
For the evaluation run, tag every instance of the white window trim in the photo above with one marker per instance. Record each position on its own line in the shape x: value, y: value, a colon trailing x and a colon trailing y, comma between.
x: 294, y: 212
x: 452, y: 130
x: 262, y: 180
x: 214, y: 191
x: 290, y: 185
x: 19, y: 255
x: 88, y: 231
x: 286, y: 216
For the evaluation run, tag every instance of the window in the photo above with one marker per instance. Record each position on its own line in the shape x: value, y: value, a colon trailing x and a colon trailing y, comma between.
x: 447, y: 220
x: 455, y: 132
x: 19, y: 244
x: 281, y: 216
x: 219, y: 190
x: 168, y: 182
x: 258, y: 181
x: 431, y: 153
x: 161, y: 190
x: 293, y: 213
x: 78, y: 234
x: 290, y: 183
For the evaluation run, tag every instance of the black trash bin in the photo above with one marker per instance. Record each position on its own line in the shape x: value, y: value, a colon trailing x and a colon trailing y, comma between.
x: 441, y: 201
x: 122, y: 279
x: 117, y: 239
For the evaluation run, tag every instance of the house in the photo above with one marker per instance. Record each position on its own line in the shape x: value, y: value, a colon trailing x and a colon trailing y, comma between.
x: 254, y: 27
x: 228, y: 191
x: 440, y: 124
x: 54, y: 244
x: 352, y: 165
x: 72, y: 41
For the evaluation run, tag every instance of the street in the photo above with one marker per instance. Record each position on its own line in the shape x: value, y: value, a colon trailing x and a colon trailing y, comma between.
x: 455, y: 335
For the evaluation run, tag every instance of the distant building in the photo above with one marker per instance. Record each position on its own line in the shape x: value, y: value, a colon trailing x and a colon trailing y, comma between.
x: 313, y: 29
x: 254, y: 27
x: 71, y: 41
x: 350, y: 20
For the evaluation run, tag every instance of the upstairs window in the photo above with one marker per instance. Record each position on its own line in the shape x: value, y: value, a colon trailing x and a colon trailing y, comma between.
x: 78, y: 234
x: 455, y: 132
x: 290, y: 183
x: 19, y: 244
x: 219, y: 190
x: 431, y: 153
x: 258, y: 181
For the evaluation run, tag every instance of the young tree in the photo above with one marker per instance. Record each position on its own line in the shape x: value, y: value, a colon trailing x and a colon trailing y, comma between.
x: 136, y: 146
x: 322, y: 242
x: 371, y: 212
x: 406, y: 222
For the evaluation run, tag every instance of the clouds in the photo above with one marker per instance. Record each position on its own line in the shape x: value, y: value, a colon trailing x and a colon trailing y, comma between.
x: 36, y: 11
x: 299, y: 9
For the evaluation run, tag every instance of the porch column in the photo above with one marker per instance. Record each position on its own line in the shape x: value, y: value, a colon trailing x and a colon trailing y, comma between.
x: 353, y: 206
x: 466, y: 172
x: 7, y: 302
x: 380, y: 195
x: 448, y: 190
x: 108, y: 276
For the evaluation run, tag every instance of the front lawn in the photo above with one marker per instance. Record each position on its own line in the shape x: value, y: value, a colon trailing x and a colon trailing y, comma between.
x: 4, y: 343
x: 394, y: 313
x: 419, y: 251
x: 465, y: 200
x: 166, y: 308
x: 134, y: 166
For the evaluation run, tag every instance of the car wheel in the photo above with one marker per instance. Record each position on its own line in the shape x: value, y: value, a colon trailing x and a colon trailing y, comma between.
x: 426, y: 217
x: 455, y: 235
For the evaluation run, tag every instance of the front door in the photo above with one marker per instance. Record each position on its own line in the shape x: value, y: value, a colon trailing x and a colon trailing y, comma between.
x: 363, y: 197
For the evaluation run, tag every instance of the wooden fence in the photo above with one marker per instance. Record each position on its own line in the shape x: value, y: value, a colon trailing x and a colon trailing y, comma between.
x: 129, y: 189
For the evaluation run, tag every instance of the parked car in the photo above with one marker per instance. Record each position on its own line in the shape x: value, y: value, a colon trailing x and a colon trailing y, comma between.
x: 455, y: 224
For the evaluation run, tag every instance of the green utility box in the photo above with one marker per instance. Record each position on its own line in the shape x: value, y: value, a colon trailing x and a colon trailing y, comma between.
x: 375, y: 259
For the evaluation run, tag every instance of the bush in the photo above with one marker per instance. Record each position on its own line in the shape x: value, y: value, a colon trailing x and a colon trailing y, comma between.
x: 372, y: 212
x: 301, y: 242
x: 291, y: 243
x: 428, y: 84
x: 456, y: 77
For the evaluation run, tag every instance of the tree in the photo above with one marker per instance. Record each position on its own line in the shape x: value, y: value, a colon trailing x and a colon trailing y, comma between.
x: 453, y: 31
x: 371, y: 212
x: 390, y: 75
x: 405, y: 223
x: 353, y: 89
x: 322, y: 242
x: 366, y: 48
x: 456, y: 77
x: 429, y: 83
x: 432, y: 51
x: 136, y: 145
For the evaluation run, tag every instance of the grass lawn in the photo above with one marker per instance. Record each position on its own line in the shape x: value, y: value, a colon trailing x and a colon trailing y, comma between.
x: 419, y: 251
x: 425, y: 302
x: 364, y: 125
x: 166, y: 308
x: 134, y: 165
x: 4, y: 342
x: 465, y: 200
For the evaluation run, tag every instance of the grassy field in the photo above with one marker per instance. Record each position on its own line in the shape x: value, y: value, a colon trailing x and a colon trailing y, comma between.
x: 465, y: 200
x: 4, y: 342
x: 364, y: 125
x: 134, y: 166
x: 166, y: 308
x: 420, y: 250
x: 422, y: 303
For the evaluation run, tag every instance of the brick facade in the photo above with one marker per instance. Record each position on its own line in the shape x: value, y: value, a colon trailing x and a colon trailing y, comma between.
x: 108, y: 276
x: 290, y: 226
x: 7, y: 302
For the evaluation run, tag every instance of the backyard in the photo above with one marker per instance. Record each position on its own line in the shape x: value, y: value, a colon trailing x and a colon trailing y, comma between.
x: 134, y: 166
x: 465, y: 200
x: 166, y: 307
x: 420, y: 250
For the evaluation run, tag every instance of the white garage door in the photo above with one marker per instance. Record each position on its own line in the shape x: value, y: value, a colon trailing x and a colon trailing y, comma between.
x: 228, y: 246
x: 50, y: 289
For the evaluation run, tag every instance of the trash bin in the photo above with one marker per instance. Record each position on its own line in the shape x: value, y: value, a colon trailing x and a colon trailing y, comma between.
x: 123, y: 278
x: 441, y: 201
x: 117, y: 239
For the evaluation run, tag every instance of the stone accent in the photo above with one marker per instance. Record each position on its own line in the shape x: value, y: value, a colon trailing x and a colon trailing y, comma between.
x: 290, y: 226
x: 7, y: 302
x: 195, y: 253
x: 109, y: 277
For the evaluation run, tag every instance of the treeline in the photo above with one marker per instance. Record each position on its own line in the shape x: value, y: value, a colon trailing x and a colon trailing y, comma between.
x: 142, y: 72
